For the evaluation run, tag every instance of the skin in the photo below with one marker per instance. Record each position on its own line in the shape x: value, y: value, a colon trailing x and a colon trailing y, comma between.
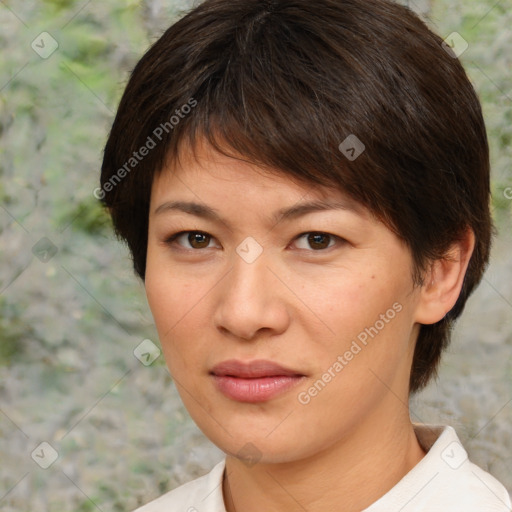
x: 301, y: 305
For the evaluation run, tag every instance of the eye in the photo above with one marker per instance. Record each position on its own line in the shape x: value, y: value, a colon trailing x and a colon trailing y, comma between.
x: 317, y: 240
x: 195, y: 239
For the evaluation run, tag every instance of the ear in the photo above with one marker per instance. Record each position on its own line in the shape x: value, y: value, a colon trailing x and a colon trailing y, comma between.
x: 443, y: 281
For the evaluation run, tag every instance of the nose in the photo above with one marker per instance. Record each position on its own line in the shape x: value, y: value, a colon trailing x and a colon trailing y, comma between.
x: 251, y: 301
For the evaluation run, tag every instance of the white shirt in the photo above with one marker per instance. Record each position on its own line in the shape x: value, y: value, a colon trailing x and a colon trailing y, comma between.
x: 445, y: 480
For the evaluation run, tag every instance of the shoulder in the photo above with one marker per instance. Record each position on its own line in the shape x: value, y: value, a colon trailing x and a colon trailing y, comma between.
x: 445, y: 479
x: 462, y: 484
x: 204, y: 493
x: 478, y: 489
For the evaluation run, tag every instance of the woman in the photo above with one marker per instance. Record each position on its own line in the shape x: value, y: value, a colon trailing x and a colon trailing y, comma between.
x: 304, y: 188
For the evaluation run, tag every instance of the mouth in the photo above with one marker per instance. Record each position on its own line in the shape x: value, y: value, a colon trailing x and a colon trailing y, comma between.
x: 254, y: 381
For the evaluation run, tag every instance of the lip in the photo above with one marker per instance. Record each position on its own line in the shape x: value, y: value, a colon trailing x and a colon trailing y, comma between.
x: 254, y: 381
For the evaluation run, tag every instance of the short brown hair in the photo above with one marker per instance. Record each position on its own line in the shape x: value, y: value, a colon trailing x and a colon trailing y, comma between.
x: 283, y: 83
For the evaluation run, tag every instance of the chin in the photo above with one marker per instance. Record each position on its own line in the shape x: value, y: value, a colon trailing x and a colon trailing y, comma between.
x: 256, y: 446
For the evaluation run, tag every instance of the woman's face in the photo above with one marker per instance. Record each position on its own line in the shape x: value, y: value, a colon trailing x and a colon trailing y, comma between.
x: 286, y: 331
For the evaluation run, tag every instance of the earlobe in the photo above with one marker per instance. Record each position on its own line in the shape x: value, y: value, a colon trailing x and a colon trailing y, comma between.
x: 443, y: 281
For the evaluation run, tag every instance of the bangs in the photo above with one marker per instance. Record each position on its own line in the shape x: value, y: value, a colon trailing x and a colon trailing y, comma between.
x: 255, y: 106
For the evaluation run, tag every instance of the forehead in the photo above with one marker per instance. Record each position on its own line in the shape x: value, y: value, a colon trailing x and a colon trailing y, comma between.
x: 203, y: 172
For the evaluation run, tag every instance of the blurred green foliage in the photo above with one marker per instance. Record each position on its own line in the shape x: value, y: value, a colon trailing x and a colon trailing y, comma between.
x: 55, y: 112
x: 485, y: 25
x: 89, y: 216
x: 13, y: 331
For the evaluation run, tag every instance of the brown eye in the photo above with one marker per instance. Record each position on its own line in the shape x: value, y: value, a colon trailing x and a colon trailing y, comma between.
x: 198, y: 240
x: 316, y: 240
x: 190, y: 240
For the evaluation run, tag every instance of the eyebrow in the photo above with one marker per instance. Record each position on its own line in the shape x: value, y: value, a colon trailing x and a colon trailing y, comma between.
x: 293, y: 212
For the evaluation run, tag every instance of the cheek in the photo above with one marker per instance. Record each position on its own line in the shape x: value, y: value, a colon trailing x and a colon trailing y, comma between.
x: 175, y: 304
x: 346, y: 302
x: 170, y: 293
x: 366, y: 308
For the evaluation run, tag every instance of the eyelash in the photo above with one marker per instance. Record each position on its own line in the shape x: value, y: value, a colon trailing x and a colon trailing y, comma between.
x: 171, y: 239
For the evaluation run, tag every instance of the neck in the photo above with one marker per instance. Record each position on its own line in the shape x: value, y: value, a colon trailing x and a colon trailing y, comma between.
x: 354, y: 472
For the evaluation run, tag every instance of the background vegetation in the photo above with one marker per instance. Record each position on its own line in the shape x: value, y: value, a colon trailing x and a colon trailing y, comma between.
x: 70, y: 321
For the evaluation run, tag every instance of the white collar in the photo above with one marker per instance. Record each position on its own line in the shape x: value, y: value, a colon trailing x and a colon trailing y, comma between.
x: 443, y: 480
